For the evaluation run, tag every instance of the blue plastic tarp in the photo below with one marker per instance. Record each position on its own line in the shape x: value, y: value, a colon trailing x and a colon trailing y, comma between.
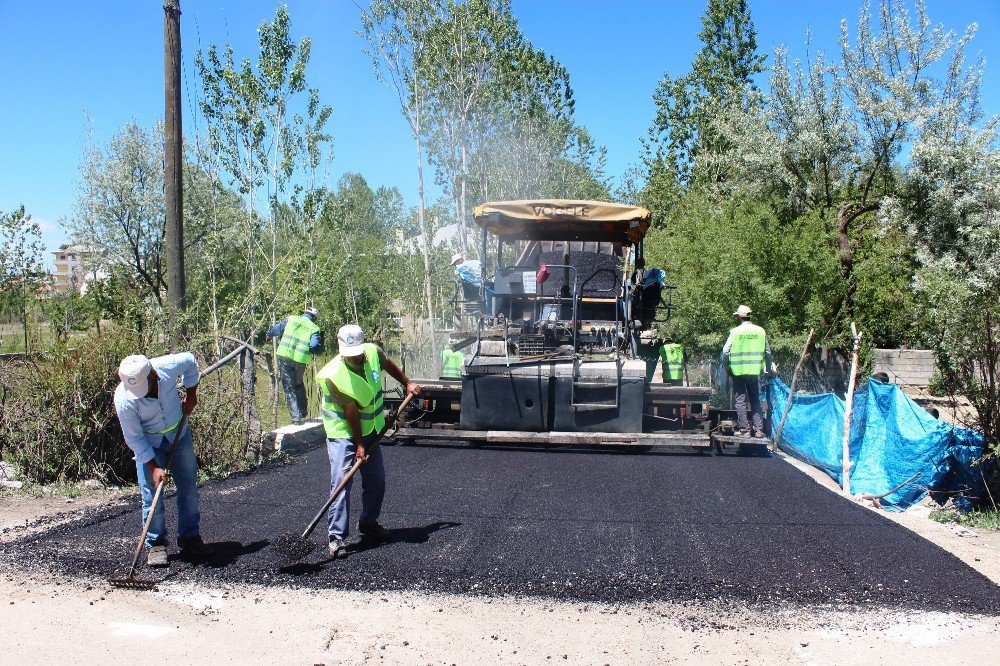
x: 893, y: 442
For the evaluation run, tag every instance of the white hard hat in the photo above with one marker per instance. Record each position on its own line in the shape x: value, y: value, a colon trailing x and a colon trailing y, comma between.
x: 312, y: 312
x: 743, y: 311
x: 134, y: 373
x: 351, y: 340
x: 457, y: 257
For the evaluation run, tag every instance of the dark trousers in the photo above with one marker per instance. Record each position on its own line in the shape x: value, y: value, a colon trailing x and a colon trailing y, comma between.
x: 748, y: 388
x: 292, y: 381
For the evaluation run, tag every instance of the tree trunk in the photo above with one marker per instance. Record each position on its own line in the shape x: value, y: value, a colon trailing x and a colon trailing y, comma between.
x: 251, y: 417
x: 462, y: 200
x: 846, y: 215
x: 426, y: 249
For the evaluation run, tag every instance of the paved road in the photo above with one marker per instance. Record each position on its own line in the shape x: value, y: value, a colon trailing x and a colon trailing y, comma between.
x: 578, y: 525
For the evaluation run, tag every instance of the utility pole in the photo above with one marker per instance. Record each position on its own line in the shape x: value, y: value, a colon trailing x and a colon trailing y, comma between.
x: 173, y: 177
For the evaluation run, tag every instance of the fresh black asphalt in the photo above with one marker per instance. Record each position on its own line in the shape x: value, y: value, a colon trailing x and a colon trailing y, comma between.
x: 593, y: 526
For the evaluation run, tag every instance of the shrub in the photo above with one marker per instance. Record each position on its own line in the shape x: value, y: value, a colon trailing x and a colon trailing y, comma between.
x: 58, y: 422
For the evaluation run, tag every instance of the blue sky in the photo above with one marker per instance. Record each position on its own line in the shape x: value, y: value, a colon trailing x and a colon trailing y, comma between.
x: 62, y: 61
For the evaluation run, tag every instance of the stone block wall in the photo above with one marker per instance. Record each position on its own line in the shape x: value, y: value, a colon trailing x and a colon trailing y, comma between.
x: 910, y: 367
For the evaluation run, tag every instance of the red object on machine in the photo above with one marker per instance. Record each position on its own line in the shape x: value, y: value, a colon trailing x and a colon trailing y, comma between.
x: 543, y: 273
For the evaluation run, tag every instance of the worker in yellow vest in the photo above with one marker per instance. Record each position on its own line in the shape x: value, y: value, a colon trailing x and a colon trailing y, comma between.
x: 672, y: 361
x: 300, y: 338
x: 451, y: 364
x: 745, y: 356
x: 351, y: 386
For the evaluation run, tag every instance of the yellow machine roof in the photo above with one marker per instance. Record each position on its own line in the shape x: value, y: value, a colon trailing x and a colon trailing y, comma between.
x: 564, y: 219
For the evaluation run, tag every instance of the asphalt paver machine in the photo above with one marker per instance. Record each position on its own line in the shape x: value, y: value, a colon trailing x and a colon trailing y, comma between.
x: 553, y: 338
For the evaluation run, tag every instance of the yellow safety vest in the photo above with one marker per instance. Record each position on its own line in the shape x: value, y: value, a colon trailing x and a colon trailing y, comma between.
x: 451, y: 363
x: 673, y: 361
x: 746, y: 356
x: 294, y: 343
x: 365, y: 390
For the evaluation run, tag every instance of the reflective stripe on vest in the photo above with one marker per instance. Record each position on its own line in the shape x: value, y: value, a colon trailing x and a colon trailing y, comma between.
x: 746, y: 356
x: 451, y: 363
x: 294, y: 343
x: 673, y: 361
x: 365, y: 390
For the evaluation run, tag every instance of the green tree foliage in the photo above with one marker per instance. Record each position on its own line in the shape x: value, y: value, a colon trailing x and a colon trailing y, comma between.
x: 721, y: 77
x: 825, y: 149
x: 22, y: 268
x: 119, y: 207
x: 742, y: 252
x: 258, y: 145
x: 501, y: 111
x: 951, y: 215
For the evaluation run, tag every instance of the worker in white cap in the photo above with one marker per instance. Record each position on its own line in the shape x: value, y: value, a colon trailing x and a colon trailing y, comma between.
x: 746, y: 354
x: 469, y: 271
x: 300, y: 340
x: 353, y: 415
x: 149, y: 409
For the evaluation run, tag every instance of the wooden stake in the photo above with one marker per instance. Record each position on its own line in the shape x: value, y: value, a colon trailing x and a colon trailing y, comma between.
x: 846, y: 455
x: 791, y: 391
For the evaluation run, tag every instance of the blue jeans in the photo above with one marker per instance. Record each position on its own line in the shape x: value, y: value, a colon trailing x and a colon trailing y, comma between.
x: 341, y: 453
x: 184, y: 469
x: 292, y: 374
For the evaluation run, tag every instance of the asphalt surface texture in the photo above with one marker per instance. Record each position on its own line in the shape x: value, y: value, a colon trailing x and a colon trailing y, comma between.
x: 604, y: 526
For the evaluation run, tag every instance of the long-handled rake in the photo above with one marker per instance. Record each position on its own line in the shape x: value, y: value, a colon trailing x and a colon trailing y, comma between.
x: 294, y: 547
x: 130, y: 581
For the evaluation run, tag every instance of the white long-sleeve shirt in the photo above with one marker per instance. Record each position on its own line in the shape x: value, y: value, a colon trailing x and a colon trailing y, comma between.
x: 145, y: 420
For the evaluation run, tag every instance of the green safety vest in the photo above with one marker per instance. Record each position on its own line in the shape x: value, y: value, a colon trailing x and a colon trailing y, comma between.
x: 746, y: 356
x: 294, y: 343
x: 451, y: 363
x: 366, y: 391
x: 673, y: 361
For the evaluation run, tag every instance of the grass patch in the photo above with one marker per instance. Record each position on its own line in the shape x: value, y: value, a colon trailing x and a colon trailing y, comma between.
x: 984, y: 519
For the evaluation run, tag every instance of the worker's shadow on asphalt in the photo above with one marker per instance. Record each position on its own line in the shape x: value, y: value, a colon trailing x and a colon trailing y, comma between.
x: 225, y: 553
x: 400, y: 535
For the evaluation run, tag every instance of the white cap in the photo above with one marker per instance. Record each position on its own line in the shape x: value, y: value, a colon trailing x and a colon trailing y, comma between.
x: 457, y: 257
x: 351, y: 340
x: 134, y: 373
x: 743, y: 311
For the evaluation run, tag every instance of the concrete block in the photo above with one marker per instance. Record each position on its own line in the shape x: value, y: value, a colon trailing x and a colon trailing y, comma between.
x: 294, y: 439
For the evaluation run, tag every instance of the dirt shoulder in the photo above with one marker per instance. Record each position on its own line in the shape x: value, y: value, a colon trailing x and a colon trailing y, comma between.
x: 25, y: 511
x: 74, y: 622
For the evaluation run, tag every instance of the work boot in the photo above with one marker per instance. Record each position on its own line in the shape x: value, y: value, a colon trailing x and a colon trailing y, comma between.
x: 758, y: 433
x: 375, y: 532
x: 195, y: 546
x: 338, y: 548
x: 156, y: 556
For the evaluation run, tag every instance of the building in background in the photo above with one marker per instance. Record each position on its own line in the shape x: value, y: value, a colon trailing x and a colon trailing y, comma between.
x: 75, y: 267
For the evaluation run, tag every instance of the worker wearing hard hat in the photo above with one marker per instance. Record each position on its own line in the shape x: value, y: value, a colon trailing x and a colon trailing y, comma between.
x: 301, y: 338
x: 672, y: 361
x: 352, y: 408
x: 149, y: 409
x: 745, y: 355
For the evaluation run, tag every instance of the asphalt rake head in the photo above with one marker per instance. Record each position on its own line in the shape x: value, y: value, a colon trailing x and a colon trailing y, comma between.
x: 134, y: 583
